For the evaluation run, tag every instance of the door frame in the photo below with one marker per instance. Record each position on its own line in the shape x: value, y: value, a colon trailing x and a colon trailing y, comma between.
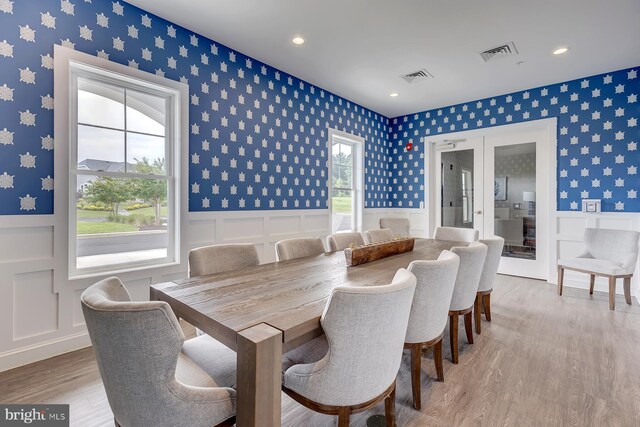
x: 547, y: 126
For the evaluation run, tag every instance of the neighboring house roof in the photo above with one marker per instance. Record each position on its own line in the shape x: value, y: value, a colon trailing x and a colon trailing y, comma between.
x: 104, y: 165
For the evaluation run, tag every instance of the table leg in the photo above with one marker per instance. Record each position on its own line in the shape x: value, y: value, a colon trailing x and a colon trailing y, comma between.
x: 259, y: 350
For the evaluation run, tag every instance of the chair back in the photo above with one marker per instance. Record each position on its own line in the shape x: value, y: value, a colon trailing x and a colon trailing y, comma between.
x: 398, y: 226
x: 456, y: 234
x: 491, y: 262
x: 613, y: 245
x: 299, y: 248
x: 378, y: 235
x: 220, y: 258
x: 432, y: 298
x: 136, y: 346
x: 468, y: 277
x: 340, y: 241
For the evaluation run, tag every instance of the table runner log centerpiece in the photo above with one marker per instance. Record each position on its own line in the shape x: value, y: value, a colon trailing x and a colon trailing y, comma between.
x: 265, y: 310
x: 357, y: 255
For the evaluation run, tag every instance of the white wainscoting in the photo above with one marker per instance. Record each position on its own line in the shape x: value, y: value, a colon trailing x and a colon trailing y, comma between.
x: 417, y: 217
x: 567, y: 242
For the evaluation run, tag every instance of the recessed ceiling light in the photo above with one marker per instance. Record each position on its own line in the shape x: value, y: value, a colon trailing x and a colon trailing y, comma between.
x: 561, y: 50
x: 297, y: 40
x: 394, y: 94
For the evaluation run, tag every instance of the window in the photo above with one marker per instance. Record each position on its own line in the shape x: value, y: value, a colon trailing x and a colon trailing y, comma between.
x: 124, y: 170
x: 346, y: 182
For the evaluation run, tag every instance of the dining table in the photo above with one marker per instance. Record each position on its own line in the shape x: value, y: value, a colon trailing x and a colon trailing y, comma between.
x: 266, y: 310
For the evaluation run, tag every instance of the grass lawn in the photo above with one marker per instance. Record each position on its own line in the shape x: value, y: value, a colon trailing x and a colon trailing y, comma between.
x: 341, y: 204
x: 104, y: 227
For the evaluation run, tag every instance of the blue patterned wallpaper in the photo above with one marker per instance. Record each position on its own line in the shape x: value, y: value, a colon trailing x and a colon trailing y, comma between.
x: 258, y: 135
x: 598, y: 138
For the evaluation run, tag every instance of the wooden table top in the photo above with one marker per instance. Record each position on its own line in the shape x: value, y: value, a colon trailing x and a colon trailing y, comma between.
x: 288, y: 295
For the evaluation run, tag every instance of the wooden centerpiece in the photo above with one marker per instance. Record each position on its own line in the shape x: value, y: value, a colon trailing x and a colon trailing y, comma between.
x: 362, y: 254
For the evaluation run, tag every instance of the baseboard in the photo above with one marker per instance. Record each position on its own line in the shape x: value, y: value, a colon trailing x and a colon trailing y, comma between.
x: 44, y: 350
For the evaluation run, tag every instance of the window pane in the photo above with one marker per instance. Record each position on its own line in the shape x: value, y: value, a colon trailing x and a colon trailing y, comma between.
x: 120, y: 220
x: 145, y: 113
x: 100, y: 104
x: 145, y: 154
x: 342, y: 210
x: 346, y: 176
x: 100, y: 149
x: 335, y: 174
x: 457, y: 188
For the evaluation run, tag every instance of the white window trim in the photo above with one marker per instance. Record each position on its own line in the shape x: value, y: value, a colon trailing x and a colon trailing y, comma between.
x: 358, y: 144
x: 64, y: 243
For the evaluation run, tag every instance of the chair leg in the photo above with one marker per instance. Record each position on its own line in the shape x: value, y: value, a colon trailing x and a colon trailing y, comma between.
x: 560, y: 279
x: 117, y: 424
x: 487, y: 307
x: 592, y: 282
x: 468, y: 326
x: 437, y: 358
x: 453, y: 337
x: 612, y: 292
x: 416, y: 362
x: 627, y: 289
x: 477, y: 313
x: 343, y: 416
x: 390, y: 408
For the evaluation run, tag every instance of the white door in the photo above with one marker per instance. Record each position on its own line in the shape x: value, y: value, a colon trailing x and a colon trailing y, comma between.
x: 499, y: 185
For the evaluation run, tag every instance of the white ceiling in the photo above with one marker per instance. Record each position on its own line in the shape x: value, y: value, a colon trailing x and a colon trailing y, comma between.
x: 359, y: 48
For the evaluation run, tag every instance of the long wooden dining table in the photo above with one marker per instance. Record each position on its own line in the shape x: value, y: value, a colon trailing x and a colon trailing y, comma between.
x: 265, y: 310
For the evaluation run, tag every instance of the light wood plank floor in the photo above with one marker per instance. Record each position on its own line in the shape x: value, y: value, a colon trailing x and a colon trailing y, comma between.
x: 543, y: 361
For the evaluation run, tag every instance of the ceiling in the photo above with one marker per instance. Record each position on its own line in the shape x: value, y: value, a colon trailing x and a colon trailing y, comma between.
x: 358, y: 49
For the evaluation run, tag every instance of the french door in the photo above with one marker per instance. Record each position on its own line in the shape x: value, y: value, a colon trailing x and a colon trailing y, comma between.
x: 499, y: 184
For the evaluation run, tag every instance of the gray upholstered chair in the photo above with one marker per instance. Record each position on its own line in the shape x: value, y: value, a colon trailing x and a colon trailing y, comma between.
x: 152, y: 376
x: 456, y: 234
x: 609, y: 253
x: 299, y: 248
x: 398, y: 226
x: 220, y: 258
x: 354, y: 366
x: 464, y: 291
x: 340, y: 241
x: 378, y: 235
x: 431, y: 301
x: 488, y: 278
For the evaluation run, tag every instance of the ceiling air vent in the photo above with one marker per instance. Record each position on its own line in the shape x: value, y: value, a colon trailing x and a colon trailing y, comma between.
x: 417, y: 76
x: 494, y: 53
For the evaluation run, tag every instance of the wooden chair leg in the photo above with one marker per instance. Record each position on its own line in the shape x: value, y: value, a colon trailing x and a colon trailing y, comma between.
x: 468, y: 326
x: 560, y: 279
x: 117, y: 424
x: 612, y: 292
x: 477, y: 313
x: 627, y: 289
x: 592, y: 282
x: 437, y: 358
x: 390, y: 408
x: 343, y: 416
x: 453, y: 337
x: 416, y: 362
x: 487, y: 306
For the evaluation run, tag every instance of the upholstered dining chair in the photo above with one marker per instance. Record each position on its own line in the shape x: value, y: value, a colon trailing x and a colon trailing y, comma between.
x: 431, y: 301
x: 398, y: 226
x: 456, y: 234
x: 340, y: 241
x: 299, y: 248
x: 487, y: 279
x: 220, y: 258
x: 378, y: 235
x: 150, y: 373
x: 464, y: 291
x: 609, y: 253
x: 355, y: 364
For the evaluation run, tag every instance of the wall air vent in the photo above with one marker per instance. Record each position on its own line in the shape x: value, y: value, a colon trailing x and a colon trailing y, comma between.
x: 494, y: 53
x: 417, y: 76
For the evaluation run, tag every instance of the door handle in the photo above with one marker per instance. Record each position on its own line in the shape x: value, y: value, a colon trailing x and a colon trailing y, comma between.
x: 478, y: 212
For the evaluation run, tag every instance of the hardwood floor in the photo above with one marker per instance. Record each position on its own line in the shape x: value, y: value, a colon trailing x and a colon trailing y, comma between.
x: 544, y: 360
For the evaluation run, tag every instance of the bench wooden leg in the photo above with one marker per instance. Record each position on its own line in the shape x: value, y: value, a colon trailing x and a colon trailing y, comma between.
x: 612, y: 292
x: 592, y: 282
x: 627, y: 289
x: 560, y: 279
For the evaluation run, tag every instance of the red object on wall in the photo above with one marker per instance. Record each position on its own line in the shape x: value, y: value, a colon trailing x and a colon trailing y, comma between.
x: 409, y: 146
